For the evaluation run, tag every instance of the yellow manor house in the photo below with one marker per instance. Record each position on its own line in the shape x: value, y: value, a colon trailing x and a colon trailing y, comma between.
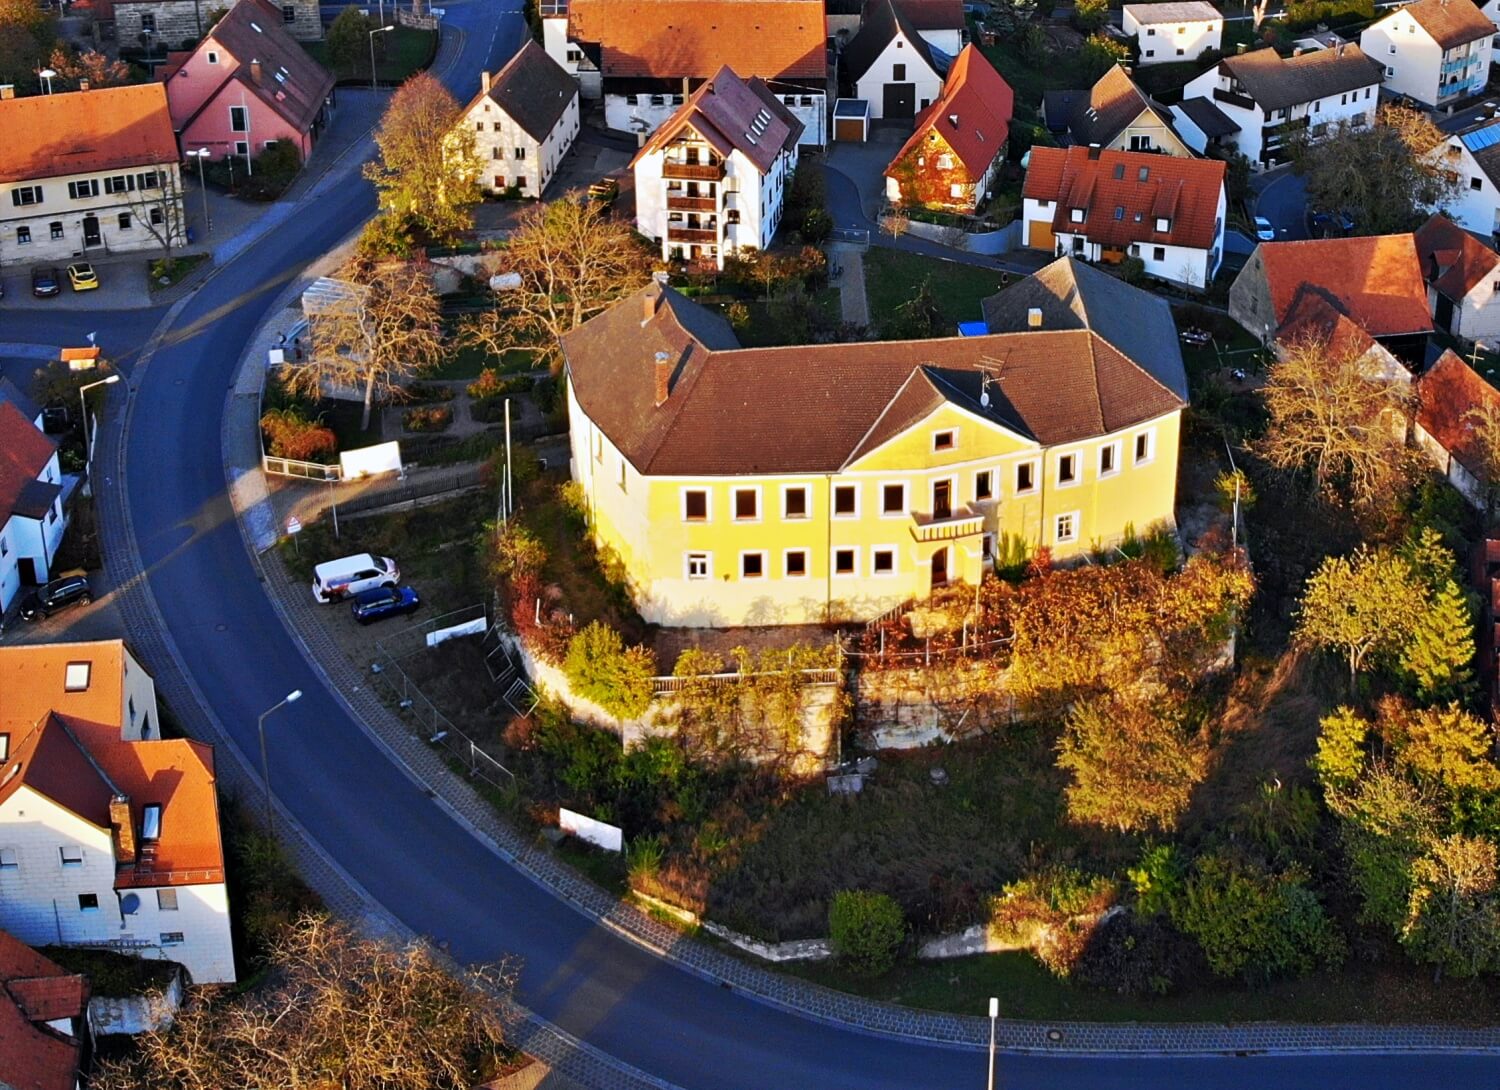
x: 756, y: 486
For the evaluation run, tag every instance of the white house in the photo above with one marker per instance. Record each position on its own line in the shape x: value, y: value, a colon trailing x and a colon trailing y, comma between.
x: 890, y: 64
x: 1435, y: 51
x: 524, y: 119
x: 1255, y: 101
x: 1173, y: 32
x: 1463, y: 280
x: 711, y: 180
x: 1104, y: 205
x: 33, y: 497
x: 109, y: 833
x: 1472, y: 156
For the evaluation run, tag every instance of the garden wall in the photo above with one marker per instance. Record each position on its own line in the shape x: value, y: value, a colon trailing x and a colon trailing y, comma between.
x: 985, y: 242
x: 906, y: 708
x: 135, y: 1013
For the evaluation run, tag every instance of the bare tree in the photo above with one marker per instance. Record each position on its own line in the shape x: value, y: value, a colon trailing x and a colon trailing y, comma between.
x: 373, y: 335
x: 1258, y: 12
x: 156, y: 206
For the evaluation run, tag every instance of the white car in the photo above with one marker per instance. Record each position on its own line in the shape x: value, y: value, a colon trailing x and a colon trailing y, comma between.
x: 1263, y: 229
x: 349, y: 575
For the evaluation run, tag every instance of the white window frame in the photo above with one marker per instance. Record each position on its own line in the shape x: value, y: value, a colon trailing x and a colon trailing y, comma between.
x: 687, y: 566
x: 1105, y: 474
x: 1036, y: 478
x: 166, y: 900
x: 1076, y: 520
x: 951, y: 433
x: 895, y: 561
x: 734, y: 503
x: 953, y: 501
x: 63, y: 858
x: 807, y: 507
x: 1146, y: 459
x: 708, y: 503
x: 994, y: 492
x: 76, y: 677
x: 1057, y: 468
x: 786, y: 572
x: 765, y: 564
x: 905, y: 500
x: 853, y: 572
x: 858, y: 501
x: 88, y: 908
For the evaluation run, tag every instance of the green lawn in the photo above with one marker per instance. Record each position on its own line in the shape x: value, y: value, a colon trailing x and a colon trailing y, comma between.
x: 763, y: 330
x: 468, y: 361
x: 407, y: 50
x: 893, y: 276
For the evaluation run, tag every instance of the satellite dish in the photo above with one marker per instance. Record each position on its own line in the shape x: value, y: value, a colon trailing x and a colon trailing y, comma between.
x: 130, y: 904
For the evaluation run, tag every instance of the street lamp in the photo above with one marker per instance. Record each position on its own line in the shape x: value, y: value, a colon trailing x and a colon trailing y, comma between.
x: 200, y: 155
x: 49, y: 75
x: 378, y: 30
x: 994, y: 1013
x: 88, y: 448
x: 265, y: 766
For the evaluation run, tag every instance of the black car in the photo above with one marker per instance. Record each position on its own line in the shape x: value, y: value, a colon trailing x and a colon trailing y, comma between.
x: 379, y: 603
x: 56, y: 595
x: 45, y: 283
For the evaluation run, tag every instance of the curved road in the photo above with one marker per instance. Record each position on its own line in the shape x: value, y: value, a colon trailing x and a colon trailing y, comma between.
x: 431, y: 872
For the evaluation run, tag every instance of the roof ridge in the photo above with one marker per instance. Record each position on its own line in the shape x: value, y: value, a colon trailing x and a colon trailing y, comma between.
x: 849, y: 458
x: 88, y: 756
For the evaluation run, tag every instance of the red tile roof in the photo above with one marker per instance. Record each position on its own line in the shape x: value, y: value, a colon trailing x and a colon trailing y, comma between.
x: 1123, y: 193
x: 1446, y: 394
x: 1451, y: 22
x: 24, y: 453
x: 33, y: 991
x: 724, y: 111
x: 1453, y: 261
x: 973, y: 115
x: 672, y: 39
x: 1376, y: 281
x: 78, y: 132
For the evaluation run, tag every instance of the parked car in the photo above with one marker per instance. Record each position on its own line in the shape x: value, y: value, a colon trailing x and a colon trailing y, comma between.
x: 383, y: 602
x: 1263, y: 229
x: 45, y: 283
x: 82, y: 277
x: 69, y: 590
x: 349, y: 575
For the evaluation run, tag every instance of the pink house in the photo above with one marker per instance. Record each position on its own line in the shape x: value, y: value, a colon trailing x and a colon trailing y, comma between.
x: 247, y: 85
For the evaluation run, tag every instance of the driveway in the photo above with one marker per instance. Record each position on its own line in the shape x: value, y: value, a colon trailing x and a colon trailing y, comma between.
x: 1283, y: 201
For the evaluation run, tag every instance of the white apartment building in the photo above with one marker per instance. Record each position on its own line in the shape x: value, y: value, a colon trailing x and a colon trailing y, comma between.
x: 1173, y: 33
x: 88, y: 173
x: 1435, y: 51
x: 1473, y: 158
x: 524, y: 121
x: 1255, y: 102
x: 712, y: 179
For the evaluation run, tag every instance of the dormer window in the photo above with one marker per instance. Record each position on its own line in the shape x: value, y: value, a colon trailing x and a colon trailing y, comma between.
x: 1163, y: 224
x: 1076, y: 215
x: 151, y: 822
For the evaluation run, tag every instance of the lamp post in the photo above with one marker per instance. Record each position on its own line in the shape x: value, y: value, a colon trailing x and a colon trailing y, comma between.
x: 208, y: 221
x: 88, y: 447
x: 265, y: 766
x: 994, y: 1013
x: 378, y: 30
x: 49, y: 75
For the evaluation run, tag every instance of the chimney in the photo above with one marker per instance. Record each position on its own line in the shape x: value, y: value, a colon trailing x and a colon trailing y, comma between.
x: 1297, y: 51
x: 1240, y: 47
x: 119, y: 818
x: 663, y: 377
x: 7, y: 90
x: 1034, y: 318
x: 83, y: 85
x: 484, y: 83
x: 1094, y: 150
x: 255, y: 70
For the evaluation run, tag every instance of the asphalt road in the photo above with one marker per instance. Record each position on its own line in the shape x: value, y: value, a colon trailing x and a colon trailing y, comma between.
x: 430, y: 871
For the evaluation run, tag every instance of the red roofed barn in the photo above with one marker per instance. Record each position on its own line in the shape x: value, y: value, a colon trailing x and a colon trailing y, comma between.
x: 959, y: 143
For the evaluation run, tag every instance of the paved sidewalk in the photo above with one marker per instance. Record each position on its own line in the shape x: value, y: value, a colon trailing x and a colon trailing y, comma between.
x: 854, y: 305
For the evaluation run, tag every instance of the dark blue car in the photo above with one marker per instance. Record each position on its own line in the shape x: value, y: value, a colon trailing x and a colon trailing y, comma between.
x: 381, y: 602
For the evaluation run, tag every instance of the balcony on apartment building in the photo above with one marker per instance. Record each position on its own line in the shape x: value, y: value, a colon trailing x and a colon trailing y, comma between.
x: 683, y: 202
x: 1230, y: 97
x: 946, y: 524
x: 677, y: 232
x: 694, y: 172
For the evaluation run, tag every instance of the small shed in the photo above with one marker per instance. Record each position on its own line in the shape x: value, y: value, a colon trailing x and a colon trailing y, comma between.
x: 851, y: 120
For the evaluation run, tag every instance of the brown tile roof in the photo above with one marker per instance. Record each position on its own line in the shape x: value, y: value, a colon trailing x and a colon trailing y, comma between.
x: 934, y: 14
x: 1451, y: 23
x: 33, y: 991
x: 671, y: 39
x: 972, y: 115
x: 533, y: 90
x: 1453, y: 261
x: 1316, y: 321
x: 1275, y: 82
x: 1120, y: 206
x: 24, y: 453
x: 1106, y: 109
x: 1446, y: 394
x: 77, y: 132
x: 1374, y: 281
x: 812, y: 408
x: 879, y: 24
x: 732, y: 115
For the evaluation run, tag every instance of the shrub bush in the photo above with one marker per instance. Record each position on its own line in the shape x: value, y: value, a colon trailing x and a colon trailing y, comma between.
x: 866, y: 930
x: 817, y: 225
x: 491, y: 383
x: 433, y: 418
x: 1052, y: 912
x: 1129, y: 955
x: 428, y: 391
x: 601, y: 668
x: 289, y: 434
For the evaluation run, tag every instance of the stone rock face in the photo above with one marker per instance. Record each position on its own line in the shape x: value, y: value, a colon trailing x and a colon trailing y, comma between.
x: 180, y: 24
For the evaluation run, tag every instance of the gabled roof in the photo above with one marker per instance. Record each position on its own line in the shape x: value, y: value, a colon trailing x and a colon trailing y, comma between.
x: 1186, y: 11
x: 33, y: 685
x: 972, y: 115
x: 1123, y: 193
x: 79, y: 132
x: 1275, y: 82
x: 879, y: 25
x: 1376, y: 282
x: 290, y: 81
x: 732, y: 115
x: 533, y: 90
x: 1211, y: 120
x: 1451, y: 23
x: 24, y: 454
x: 1105, y: 110
x: 933, y: 14
x: 1453, y: 261
x: 1072, y: 295
x: 33, y: 991
x: 672, y: 39
x: 814, y: 408
x: 1446, y: 395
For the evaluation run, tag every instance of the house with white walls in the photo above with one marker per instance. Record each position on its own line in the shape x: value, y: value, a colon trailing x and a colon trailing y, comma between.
x: 1103, y: 205
x: 1471, y: 157
x: 1435, y: 51
x: 524, y: 120
x: 33, y: 503
x: 713, y: 178
x: 1463, y: 280
x: 1256, y: 102
x: 891, y: 65
x: 1173, y: 32
x: 109, y: 833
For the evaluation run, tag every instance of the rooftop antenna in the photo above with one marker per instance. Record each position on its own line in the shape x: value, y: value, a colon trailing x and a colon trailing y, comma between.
x: 989, y: 371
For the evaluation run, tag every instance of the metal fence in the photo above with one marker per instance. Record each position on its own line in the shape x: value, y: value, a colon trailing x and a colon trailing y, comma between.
x: 290, y: 467
x: 852, y: 236
x: 662, y: 685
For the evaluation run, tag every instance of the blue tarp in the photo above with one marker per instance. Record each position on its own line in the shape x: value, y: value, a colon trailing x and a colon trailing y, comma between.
x: 973, y: 329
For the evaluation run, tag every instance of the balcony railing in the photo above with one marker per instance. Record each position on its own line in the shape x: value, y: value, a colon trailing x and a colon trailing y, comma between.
x: 1233, y: 99
x: 691, y: 234
x: 697, y: 172
x: 964, y: 522
x: 691, y: 204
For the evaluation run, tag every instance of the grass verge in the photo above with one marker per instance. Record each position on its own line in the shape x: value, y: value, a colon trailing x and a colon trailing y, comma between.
x: 172, y: 270
x: 407, y: 50
x: 892, y: 276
